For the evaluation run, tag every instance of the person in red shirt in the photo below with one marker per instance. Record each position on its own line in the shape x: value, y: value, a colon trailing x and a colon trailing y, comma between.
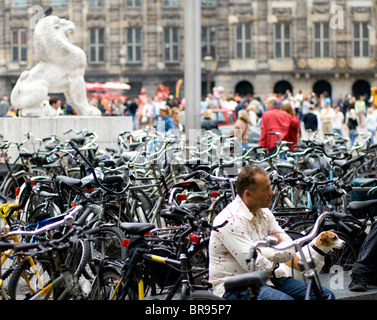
x: 295, y: 130
x: 275, y: 120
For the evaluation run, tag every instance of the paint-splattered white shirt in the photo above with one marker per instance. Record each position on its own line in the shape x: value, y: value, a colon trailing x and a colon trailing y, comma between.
x: 229, y: 247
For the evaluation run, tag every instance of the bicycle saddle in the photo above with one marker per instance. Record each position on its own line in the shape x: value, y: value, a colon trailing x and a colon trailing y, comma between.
x: 167, y: 214
x: 135, y: 145
x: 339, y: 163
x: 110, y: 150
x: 108, y: 163
x: 25, y: 154
x: 243, y: 281
x: 127, y: 156
x: 55, y: 164
x: 136, y: 228
x: 113, y: 179
x: 78, y: 141
x: 194, y: 207
x: 362, y: 205
x: 68, y: 181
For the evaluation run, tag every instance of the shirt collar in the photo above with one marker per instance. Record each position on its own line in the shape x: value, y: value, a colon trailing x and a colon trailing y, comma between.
x: 244, y: 209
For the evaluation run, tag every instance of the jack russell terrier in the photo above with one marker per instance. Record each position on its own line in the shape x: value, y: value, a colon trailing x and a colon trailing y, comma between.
x: 316, y: 250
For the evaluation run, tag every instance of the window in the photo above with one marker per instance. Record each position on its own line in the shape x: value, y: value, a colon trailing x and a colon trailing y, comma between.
x: 282, y: 40
x: 96, y: 3
x: 19, y: 45
x: 171, y: 44
x: 133, y: 44
x: 97, y: 45
x: 243, y: 41
x: 208, y: 2
x: 360, y: 39
x: 220, y: 117
x: 133, y: 3
x: 19, y: 3
x: 230, y: 117
x: 170, y: 3
x: 208, y: 41
x: 59, y: 3
x: 321, y: 40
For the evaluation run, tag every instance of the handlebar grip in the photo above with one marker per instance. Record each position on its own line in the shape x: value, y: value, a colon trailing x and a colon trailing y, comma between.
x: 341, y: 215
x: 179, y: 211
x: 190, y: 175
x: 372, y: 146
x: 252, y: 254
x: 369, y: 183
x: 220, y: 225
x: 25, y: 246
x: 80, y: 221
x: 351, y: 161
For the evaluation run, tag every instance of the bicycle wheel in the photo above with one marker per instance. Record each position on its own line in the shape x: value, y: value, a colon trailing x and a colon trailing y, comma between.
x: 78, y: 257
x: 345, y: 257
x: 14, y: 182
x: 26, y: 279
x: 302, y: 227
x: 139, y: 206
x: 42, y: 212
x: 108, y: 286
x: 114, y: 214
x: 104, y: 286
x: 108, y: 243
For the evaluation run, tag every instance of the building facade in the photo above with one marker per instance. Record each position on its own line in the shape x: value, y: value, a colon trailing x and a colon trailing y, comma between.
x: 248, y: 46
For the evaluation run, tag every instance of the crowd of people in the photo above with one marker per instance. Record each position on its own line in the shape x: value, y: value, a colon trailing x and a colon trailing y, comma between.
x: 303, y: 116
x: 299, y: 117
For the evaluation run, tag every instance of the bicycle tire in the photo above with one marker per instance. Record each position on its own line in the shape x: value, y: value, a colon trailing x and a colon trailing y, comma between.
x: 111, y: 247
x: 114, y: 214
x: 17, y: 287
x: 109, y: 279
x: 78, y: 257
x: 345, y: 257
x: 14, y: 182
x: 198, y: 295
x: 135, y: 211
x: 40, y: 213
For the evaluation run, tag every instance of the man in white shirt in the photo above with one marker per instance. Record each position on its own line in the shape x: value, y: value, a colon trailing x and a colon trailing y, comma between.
x: 250, y: 220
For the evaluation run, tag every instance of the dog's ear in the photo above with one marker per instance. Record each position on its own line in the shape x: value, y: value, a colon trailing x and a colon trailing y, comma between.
x: 325, y: 238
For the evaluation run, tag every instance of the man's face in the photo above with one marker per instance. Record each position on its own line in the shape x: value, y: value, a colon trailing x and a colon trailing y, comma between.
x: 58, y: 104
x: 262, y: 195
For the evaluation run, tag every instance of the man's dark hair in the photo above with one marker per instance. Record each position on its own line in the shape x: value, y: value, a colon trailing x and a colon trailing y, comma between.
x: 54, y: 100
x: 246, y: 178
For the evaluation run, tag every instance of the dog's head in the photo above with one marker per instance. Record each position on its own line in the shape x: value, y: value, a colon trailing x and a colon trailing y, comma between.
x: 329, y: 240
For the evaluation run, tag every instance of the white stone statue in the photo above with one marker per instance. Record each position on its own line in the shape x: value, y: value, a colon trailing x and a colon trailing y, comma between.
x: 61, y: 69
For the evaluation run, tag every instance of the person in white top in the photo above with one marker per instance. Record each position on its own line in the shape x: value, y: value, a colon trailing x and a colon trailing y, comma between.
x: 371, y: 123
x: 338, y: 121
x: 250, y: 220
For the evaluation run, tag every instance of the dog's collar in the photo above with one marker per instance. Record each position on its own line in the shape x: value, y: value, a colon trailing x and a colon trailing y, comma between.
x: 318, y: 250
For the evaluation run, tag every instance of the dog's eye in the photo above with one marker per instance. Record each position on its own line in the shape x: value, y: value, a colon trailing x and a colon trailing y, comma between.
x: 334, y: 238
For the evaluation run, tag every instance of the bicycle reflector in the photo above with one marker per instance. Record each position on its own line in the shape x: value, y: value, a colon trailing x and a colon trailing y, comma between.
x: 32, y: 182
x: 194, y: 238
x: 214, y: 194
x: 17, y: 191
x: 125, y: 243
x: 181, y: 197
